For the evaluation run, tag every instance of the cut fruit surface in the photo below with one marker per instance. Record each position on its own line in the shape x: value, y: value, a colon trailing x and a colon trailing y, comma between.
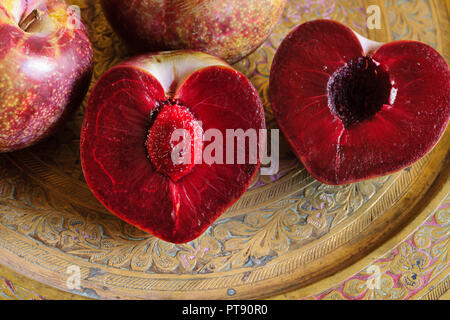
x: 351, y: 115
x: 127, y: 147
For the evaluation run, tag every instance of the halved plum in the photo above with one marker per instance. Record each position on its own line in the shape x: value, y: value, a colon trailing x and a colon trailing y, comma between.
x: 127, y: 145
x: 353, y: 109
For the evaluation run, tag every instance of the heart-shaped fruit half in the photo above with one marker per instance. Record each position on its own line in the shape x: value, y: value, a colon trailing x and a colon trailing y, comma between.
x: 128, y: 142
x: 353, y: 109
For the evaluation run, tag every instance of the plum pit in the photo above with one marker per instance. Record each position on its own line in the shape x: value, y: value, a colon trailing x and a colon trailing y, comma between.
x: 170, y: 156
x: 358, y: 90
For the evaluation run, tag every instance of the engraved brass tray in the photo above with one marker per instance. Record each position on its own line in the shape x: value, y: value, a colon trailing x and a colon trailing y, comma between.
x: 287, y: 231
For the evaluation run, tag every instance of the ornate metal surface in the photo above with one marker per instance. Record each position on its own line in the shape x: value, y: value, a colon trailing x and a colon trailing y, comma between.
x: 408, y: 270
x: 288, y: 230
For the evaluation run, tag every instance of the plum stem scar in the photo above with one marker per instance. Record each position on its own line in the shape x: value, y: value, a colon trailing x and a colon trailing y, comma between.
x: 29, y: 20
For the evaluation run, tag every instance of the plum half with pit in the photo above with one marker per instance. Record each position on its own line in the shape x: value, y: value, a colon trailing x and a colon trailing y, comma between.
x: 354, y: 109
x: 127, y: 144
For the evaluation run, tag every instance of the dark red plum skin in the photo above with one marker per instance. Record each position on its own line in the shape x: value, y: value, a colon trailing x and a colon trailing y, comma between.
x: 42, y: 77
x: 401, y: 133
x: 229, y: 29
x: 119, y: 170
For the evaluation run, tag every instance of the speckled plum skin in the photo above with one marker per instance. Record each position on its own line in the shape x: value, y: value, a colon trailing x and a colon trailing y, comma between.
x: 229, y: 29
x: 44, y: 72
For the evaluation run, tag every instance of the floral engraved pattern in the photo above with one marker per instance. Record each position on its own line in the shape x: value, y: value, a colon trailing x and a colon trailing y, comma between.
x: 250, y: 239
x: 410, y: 21
x: 408, y: 268
x: 258, y: 237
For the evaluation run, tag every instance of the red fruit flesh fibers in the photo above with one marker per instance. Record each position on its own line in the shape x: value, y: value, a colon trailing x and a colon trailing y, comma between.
x: 349, y: 116
x: 126, y: 147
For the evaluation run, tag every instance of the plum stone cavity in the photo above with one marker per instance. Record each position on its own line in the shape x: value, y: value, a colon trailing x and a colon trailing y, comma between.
x: 358, y: 90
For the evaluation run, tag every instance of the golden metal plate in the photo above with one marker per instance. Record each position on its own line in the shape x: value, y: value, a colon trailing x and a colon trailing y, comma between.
x: 286, y: 232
